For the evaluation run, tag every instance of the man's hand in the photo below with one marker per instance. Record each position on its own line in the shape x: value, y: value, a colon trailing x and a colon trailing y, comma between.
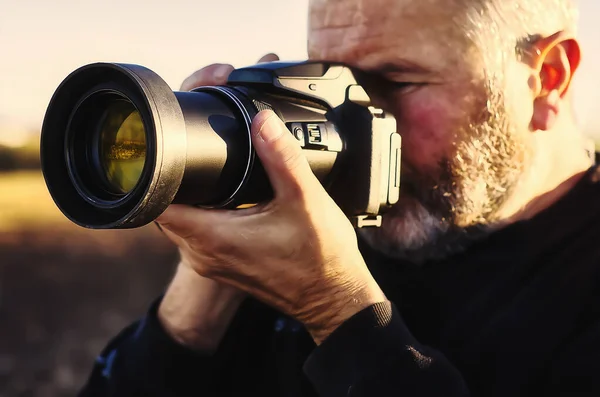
x: 196, y: 311
x: 298, y: 253
x: 216, y: 74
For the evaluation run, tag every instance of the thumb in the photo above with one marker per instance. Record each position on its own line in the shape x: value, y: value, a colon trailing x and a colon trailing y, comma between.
x: 281, y: 156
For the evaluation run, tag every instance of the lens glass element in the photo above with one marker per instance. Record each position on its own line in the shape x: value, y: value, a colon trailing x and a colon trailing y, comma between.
x: 122, y: 146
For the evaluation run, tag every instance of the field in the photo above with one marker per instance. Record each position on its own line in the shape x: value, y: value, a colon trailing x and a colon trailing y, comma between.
x: 64, y: 290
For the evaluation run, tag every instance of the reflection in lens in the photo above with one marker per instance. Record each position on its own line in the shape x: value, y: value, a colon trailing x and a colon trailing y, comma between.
x: 122, y: 146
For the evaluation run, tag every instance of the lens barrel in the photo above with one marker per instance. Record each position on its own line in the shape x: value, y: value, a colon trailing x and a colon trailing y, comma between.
x: 118, y: 146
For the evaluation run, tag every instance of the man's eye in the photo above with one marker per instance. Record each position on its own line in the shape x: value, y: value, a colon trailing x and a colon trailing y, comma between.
x: 399, y: 84
x: 379, y: 86
x: 403, y: 87
x: 405, y: 84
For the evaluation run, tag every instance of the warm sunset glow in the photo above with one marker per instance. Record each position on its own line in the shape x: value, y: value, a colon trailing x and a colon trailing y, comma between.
x: 42, y: 41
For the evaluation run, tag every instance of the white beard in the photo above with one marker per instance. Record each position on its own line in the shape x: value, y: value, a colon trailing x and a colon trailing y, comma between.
x: 442, y: 214
x: 413, y: 233
x: 405, y: 231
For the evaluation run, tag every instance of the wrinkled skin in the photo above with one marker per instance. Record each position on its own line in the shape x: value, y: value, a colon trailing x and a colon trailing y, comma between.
x: 470, y: 130
x: 452, y: 139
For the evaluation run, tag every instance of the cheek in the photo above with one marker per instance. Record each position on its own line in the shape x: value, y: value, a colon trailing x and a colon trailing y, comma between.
x: 428, y: 125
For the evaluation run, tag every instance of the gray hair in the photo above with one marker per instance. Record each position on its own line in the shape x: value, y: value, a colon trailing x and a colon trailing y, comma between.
x: 500, y: 28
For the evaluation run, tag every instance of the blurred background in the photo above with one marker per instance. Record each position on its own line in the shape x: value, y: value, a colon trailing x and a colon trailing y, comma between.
x: 64, y: 290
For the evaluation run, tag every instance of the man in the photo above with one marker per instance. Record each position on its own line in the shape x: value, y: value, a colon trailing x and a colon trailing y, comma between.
x: 483, y: 280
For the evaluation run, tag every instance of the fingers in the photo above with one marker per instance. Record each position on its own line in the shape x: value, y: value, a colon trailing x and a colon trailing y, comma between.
x: 269, y: 58
x: 215, y: 74
x: 188, y: 222
x: 174, y: 238
x: 282, y: 157
x: 198, y: 232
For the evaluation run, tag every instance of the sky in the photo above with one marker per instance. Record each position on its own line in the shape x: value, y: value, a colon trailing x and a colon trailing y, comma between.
x: 42, y: 41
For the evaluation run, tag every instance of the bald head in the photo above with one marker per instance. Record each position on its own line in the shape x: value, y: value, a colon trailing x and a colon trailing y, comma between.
x: 510, y: 24
x: 360, y: 32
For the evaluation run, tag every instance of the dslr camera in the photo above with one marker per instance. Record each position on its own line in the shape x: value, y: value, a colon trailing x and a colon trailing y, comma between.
x: 118, y: 146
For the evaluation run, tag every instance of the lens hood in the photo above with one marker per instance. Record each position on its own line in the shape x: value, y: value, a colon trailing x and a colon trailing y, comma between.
x: 63, y: 140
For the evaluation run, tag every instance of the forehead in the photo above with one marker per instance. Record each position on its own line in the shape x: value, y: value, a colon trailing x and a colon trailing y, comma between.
x: 367, y: 33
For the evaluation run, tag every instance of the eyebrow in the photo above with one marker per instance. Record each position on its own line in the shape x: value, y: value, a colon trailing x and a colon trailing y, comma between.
x: 404, y: 67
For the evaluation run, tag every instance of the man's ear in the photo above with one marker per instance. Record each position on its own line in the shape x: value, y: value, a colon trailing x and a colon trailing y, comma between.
x: 554, y: 62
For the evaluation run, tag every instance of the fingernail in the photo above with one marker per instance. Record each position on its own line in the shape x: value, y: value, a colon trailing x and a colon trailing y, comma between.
x: 271, y: 129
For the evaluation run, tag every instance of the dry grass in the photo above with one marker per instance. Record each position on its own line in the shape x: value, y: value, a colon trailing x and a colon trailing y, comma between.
x: 65, y: 290
x: 25, y: 203
x: 28, y: 215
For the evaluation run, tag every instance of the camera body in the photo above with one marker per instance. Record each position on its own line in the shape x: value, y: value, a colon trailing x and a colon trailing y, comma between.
x: 198, y: 148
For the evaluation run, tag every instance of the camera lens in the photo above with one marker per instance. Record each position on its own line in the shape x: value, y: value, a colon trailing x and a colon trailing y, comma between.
x: 118, y: 146
x: 107, y: 147
x: 121, y: 147
x: 113, y: 146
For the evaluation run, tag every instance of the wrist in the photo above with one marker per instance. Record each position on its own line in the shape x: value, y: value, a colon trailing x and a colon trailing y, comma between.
x: 196, y: 311
x: 341, y: 305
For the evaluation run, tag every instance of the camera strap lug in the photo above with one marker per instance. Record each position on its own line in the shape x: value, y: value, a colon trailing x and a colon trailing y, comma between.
x: 360, y: 221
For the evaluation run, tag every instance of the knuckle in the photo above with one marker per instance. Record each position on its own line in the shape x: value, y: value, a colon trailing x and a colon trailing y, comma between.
x: 292, y: 156
x: 204, y: 270
x: 295, y: 162
x: 218, y: 73
x: 201, y: 77
x: 270, y: 57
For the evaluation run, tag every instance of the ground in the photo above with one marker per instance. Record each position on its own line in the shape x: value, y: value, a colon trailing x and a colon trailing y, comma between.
x: 65, y: 290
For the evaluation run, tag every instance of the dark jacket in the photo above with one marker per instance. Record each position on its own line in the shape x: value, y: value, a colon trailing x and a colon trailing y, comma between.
x: 518, y: 314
